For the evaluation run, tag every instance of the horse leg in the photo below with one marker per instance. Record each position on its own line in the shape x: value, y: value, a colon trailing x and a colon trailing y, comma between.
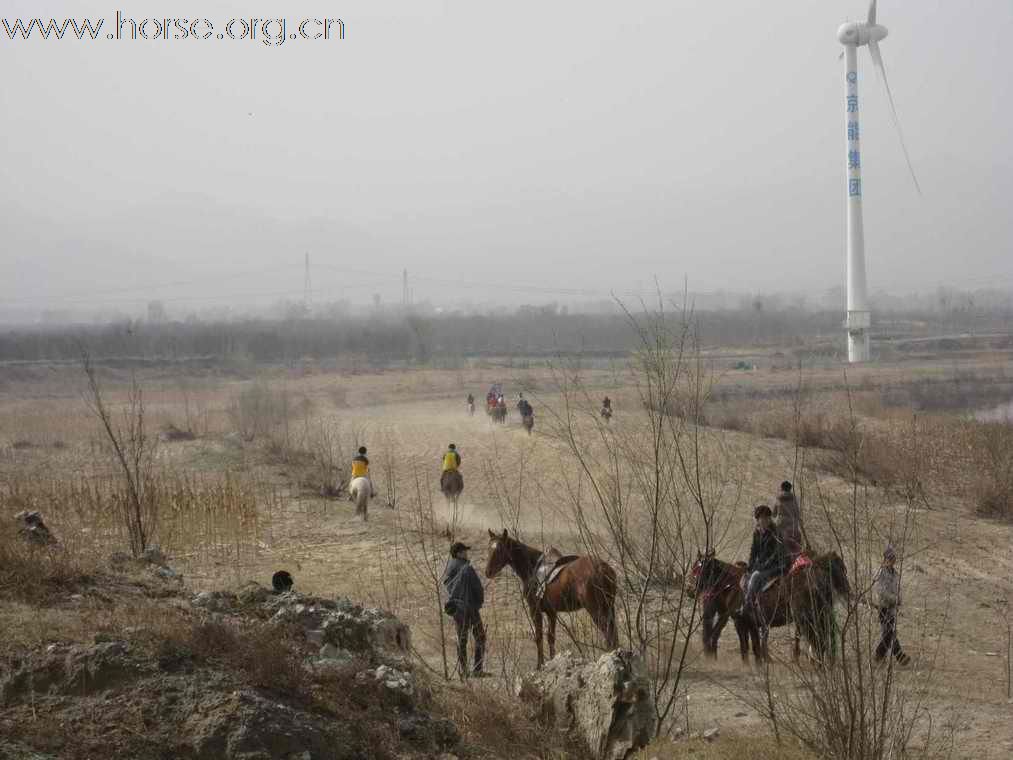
x: 708, y: 634
x: 742, y: 629
x: 756, y: 637
x: 716, y: 636
x: 537, y: 615
x: 552, y: 634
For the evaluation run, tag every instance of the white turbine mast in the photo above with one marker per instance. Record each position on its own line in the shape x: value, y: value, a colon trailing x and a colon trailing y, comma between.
x: 854, y: 35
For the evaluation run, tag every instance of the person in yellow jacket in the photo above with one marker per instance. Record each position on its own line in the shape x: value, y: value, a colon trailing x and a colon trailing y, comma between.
x: 452, y: 459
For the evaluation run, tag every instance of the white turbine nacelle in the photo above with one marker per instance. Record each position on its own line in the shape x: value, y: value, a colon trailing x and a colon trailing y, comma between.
x: 859, y: 33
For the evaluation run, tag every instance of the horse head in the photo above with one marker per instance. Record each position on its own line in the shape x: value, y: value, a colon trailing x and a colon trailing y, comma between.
x: 707, y: 569
x: 500, y: 545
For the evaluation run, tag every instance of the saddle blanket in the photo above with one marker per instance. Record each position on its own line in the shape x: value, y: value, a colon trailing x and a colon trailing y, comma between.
x: 801, y: 562
x: 548, y: 571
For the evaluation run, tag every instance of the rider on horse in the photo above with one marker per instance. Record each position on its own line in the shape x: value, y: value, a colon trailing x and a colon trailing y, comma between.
x: 768, y: 557
x: 360, y: 468
x: 524, y: 407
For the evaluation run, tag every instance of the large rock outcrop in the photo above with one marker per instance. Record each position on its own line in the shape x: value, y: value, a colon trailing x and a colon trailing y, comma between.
x: 607, y: 705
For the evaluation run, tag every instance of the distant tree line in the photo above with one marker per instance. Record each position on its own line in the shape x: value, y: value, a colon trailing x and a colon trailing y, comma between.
x: 422, y: 339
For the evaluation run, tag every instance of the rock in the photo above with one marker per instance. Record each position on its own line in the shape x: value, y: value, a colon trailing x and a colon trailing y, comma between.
x: 248, y: 725
x: 153, y: 555
x: 711, y: 734
x: 168, y: 574
x: 331, y: 652
x: 214, y: 601
x: 253, y: 593
x: 77, y: 670
x: 423, y: 729
x: 395, y: 680
x: 607, y: 705
x: 32, y: 529
x: 343, y: 624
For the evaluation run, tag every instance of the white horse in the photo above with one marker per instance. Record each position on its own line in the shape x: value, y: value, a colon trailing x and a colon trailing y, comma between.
x: 359, y: 491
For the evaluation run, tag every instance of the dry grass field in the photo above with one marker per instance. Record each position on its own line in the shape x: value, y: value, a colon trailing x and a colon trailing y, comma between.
x: 248, y: 470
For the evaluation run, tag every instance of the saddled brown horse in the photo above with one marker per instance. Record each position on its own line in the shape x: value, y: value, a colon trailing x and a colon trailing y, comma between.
x: 583, y: 583
x: 805, y: 597
x: 720, y: 587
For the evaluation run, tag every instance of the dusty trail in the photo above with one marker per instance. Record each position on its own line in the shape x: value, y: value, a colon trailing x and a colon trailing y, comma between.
x: 958, y: 584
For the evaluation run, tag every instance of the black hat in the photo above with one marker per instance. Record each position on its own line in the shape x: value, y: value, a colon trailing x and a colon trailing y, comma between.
x: 452, y: 446
x: 786, y: 485
x: 362, y: 449
x: 458, y: 547
x: 762, y: 511
x: 282, y: 581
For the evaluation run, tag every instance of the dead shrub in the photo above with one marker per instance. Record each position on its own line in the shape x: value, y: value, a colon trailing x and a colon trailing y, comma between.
x: 264, y: 655
x: 265, y: 411
x: 32, y: 573
x: 994, y: 485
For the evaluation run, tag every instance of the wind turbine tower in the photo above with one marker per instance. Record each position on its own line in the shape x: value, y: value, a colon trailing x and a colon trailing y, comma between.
x: 854, y: 35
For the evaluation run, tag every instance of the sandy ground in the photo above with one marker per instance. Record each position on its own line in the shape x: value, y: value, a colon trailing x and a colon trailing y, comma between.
x: 958, y: 573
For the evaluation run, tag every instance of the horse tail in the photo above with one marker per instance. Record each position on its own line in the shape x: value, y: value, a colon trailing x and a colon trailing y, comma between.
x: 609, y: 586
x: 362, y: 499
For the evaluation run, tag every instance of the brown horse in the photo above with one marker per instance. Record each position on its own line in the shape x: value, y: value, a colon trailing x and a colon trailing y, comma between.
x: 583, y: 583
x: 452, y: 484
x: 720, y: 587
x: 805, y: 597
x: 528, y: 421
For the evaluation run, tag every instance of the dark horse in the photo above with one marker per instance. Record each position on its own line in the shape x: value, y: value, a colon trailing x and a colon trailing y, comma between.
x: 452, y: 484
x: 805, y: 597
x: 583, y: 583
x: 528, y: 421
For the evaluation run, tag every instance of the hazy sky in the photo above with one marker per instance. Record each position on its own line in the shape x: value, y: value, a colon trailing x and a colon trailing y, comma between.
x: 569, y: 144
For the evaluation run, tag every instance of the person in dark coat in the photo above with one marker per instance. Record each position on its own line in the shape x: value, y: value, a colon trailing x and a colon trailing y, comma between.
x: 465, y: 597
x: 768, y: 556
x: 788, y: 518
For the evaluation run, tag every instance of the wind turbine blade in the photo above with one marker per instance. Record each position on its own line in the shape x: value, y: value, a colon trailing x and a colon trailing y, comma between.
x: 877, y: 62
x: 872, y: 12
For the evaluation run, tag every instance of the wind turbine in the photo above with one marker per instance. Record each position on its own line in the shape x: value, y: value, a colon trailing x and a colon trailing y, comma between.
x: 854, y: 35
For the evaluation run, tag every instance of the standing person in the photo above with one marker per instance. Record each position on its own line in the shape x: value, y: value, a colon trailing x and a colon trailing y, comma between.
x: 887, y: 593
x: 767, y: 556
x: 788, y: 518
x: 465, y: 600
x: 471, y: 403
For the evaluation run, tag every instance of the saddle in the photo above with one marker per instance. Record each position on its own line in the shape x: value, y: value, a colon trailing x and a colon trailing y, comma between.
x: 771, y: 583
x: 549, y: 566
x: 766, y: 586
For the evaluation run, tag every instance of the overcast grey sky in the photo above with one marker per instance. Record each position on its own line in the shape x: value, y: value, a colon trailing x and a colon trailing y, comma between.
x: 574, y: 144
